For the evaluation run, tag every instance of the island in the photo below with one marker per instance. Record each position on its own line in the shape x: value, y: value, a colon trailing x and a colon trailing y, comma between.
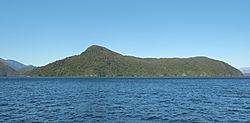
x: 100, y: 61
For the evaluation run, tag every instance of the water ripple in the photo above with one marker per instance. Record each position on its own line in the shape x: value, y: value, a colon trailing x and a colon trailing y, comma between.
x: 121, y: 100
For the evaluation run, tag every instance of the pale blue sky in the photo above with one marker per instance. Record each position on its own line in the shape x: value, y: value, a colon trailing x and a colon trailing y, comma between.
x: 41, y: 31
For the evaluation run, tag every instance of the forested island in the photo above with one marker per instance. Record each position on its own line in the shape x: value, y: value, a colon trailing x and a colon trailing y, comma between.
x: 100, y: 61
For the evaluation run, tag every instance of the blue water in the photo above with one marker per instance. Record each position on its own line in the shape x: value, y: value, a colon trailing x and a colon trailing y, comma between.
x: 121, y: 100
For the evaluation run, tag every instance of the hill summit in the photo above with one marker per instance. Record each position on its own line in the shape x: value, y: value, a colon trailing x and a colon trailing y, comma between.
x: 100, y: 61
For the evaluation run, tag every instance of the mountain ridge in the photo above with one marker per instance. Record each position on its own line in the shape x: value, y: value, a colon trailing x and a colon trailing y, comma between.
x: 13, y: 68
x: 100, y: 61
x: 245, y: 70
x: 15, y: 64
x: 246, y: 74
x: 6, y: 70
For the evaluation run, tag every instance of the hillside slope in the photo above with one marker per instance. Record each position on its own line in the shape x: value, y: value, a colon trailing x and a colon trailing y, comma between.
x: 15, y: 64
x: 100, y: 61
x: 6, y: 70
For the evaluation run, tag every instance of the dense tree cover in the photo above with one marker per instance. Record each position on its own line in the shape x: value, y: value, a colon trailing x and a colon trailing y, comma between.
x: 100, y: 61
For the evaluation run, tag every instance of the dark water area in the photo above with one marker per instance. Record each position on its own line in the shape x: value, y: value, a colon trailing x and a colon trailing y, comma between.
x: 125, y: 100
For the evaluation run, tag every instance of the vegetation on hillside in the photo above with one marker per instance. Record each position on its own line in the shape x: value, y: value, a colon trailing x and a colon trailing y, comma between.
x: 100, y: 61
x: 15, y: 64
x: 6, y: 70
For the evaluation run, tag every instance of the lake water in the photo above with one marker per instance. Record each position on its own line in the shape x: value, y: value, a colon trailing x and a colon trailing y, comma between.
x: 121, y: 100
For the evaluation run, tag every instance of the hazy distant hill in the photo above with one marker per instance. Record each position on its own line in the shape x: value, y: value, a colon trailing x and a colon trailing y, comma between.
x: 100, y: 61
x: 6, y: 70
x: 245, y: 70
x: 246, y: 74
x: 15, y: 65
x: 13, y: 68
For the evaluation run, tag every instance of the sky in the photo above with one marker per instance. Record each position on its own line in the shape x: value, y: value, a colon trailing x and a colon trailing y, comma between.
x: 39, y: 32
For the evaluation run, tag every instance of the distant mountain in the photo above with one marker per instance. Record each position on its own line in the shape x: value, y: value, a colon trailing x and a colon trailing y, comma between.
x: 245, y: 70
x: 5, y: 70
x: 246, y: 74
x: 15, y: 65
x: 100, y: 61
x: 13, y: 68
